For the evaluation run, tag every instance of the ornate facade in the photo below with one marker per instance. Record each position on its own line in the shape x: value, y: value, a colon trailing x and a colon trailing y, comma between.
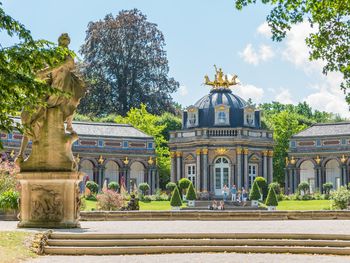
x: 318, y: 155
x: 221, y: 141
x: 106, y: 151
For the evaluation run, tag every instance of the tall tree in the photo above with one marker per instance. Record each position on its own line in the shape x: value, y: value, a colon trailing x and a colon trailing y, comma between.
x: 19, y: 87
x: 126, y: 65
x: 330, y: 42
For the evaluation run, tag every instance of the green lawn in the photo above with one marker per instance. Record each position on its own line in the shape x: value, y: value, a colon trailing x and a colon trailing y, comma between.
x: 14, y: 246
x: 304, y: 205
x: 154, y: 205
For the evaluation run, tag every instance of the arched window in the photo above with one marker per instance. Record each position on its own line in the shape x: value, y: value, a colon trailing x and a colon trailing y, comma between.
x: 222, y: 174
x: 222, y: 117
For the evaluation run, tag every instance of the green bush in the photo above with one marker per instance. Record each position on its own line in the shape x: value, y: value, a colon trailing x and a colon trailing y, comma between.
x: 184, y: 183
x: 113, y: 186
x: 191, y: 194
x: 327, y: 187
x: 262, y: 183
x: 9, y: 200
x: 170, y: 186
x: 255, y: 192
x: 276, y: 186
x: 92, y: 186
x: 91, y: 197
x: 340, y: 198
x: 271, y: 199
x: 109, y: 201
x: 175, y: 198
x: 144, y: 187
x: 304, y: 186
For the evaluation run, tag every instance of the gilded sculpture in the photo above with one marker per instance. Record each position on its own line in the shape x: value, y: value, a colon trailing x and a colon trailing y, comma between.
x: 221, y: 80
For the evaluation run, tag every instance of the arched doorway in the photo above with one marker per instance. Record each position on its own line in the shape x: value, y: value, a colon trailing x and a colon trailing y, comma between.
x: 221, y: 174
x: 307, y: 174
x: 333, y: 173
x: 137, y: 173
x: 112, y: 172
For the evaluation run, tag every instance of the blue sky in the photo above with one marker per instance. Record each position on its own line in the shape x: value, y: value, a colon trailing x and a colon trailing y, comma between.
x: 199, y: 34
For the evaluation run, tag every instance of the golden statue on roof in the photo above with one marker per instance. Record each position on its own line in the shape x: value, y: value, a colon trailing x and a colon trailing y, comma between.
x: 221, y: 80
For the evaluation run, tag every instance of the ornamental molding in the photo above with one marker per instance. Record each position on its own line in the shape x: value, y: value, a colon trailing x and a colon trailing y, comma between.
x: 221, y: 151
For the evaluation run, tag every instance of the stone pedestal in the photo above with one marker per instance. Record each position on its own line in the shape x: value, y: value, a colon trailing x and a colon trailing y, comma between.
x: 49, y: 199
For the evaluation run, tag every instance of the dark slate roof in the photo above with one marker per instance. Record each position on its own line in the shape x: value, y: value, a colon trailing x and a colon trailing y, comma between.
x: 325, y: 129
x: 217, y: 97
x: 106, y: 129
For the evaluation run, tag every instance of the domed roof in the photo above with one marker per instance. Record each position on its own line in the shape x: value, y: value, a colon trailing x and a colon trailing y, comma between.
x: 221, y: 97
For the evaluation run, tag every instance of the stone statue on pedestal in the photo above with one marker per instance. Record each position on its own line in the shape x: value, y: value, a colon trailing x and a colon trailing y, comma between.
x: 49, y: 176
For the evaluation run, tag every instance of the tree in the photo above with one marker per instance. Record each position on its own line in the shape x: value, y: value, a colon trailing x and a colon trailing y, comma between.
x: 327, y: 187
x: 271, y: 199
x: 92, y: 186
x: 184, y: 183
x: 170, y: 186
x: 126, y: 65
x: 261, y: 181
x: 331, y: 40
x: 19, y: 87
x: 144, y: 187
x: 113, y: 186
x: 304, y: 186
x: 255, y: 192
x: 191, y: 194
x: 171, y: 122
x: 175, y: 200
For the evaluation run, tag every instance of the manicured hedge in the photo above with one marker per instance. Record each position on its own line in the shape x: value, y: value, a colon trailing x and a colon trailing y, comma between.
x: 191, y: 194
x: 255, y: 192
x: 175, y: 198
x: 271, y: 199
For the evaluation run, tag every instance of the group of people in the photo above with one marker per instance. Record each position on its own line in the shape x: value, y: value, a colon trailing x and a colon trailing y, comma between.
x: 236, y: 196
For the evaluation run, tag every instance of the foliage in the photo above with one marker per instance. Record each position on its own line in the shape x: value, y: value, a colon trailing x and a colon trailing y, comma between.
x: 171, y: 123
x: 91, y: 197
x: 19, y: 86
x: 304, y: 186
x: 184, y: 183
x: 271, y: 199
x: 8, y: 173
x: 144, y: 187
x: 170, y: 186
x: 9, y: 200
x: 255, y: 192
x: 92, y: 186
x: 126, y: 65
x: 175, y: 200
x: 340, y: 198
x: 109, y: 201
x: 113, y: 186
x: 191, y: 194
x: 330, y: 40
x: 262, y: 183
x: 327, y: 187
x: 276, y: 186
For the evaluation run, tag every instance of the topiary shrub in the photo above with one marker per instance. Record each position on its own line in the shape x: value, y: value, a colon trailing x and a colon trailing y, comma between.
x: 271, y: 199
x: 327, y: 187
x: 276, y: 186
x: 170, y: 186
x: 144, y: 187
x: 9, y: 200
x: 184, y: 183
x: 254, y: 192
x: 92, y: 186
x: 191, y: 194
x: 340, y: 198
x: 175, y: 200
x: 304, y: 186
x: 262, y: 183
x: 113, y: 186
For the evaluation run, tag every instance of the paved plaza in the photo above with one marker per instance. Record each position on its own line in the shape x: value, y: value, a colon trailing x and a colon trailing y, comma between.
x: 319, y: 226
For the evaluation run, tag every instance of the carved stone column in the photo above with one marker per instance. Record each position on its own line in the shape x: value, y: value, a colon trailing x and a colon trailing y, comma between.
x: 198, y: 170
x: 239, y: 167
x: 173, y: 167
x: 245, y: 171
x: 270, y: 167
x: 205, y: 169
x: 178, y: 165
x: 264, y: 153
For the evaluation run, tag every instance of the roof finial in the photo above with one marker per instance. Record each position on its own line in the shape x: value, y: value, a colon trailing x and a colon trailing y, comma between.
x: 221, y: 80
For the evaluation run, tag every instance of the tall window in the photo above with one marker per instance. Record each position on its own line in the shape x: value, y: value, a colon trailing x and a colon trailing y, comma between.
x: 250, y: 119
x: 191, y: 173
x: 222, y: 117
x: 192, y: 119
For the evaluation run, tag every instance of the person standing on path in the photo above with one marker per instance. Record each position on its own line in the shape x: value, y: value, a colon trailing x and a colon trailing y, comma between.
x: 225, y: 192
x: 233, y: 193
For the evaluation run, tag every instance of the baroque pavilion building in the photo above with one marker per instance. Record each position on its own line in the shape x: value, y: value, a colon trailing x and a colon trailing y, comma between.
x: 221, y: 141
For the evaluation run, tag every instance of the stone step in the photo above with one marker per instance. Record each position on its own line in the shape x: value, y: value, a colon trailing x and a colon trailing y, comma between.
x: 193, y: 249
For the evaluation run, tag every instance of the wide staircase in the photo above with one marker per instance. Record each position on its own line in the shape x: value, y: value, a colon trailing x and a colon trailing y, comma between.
x: 121, y: 244
x: 204, y: 205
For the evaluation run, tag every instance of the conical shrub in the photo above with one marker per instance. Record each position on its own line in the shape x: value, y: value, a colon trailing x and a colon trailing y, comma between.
x: 255, y: 192
x: 191, y: 194
x: 175, y: 198
x: 271, y: 199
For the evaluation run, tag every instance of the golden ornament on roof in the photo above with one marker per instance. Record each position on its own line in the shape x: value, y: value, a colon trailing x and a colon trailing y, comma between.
x: 126, y: 161
x: 221, y: 80
x: 100, y: 160
x: 150, y: 160
x: 343, y: 159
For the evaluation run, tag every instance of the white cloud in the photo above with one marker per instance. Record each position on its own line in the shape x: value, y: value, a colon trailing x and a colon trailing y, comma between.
x: 247, y: 91
x: 183, y: 91
x: 264, y: 30
x: 251, y: 56
x: 284, y: 96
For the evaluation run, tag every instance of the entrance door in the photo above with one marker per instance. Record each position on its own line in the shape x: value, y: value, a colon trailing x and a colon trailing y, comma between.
x: 222, y: 171
x: 252, y: 171
x: 191, y: 173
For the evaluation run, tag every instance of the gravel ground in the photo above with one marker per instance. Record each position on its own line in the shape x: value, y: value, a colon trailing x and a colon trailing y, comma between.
x: 197, y: 258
